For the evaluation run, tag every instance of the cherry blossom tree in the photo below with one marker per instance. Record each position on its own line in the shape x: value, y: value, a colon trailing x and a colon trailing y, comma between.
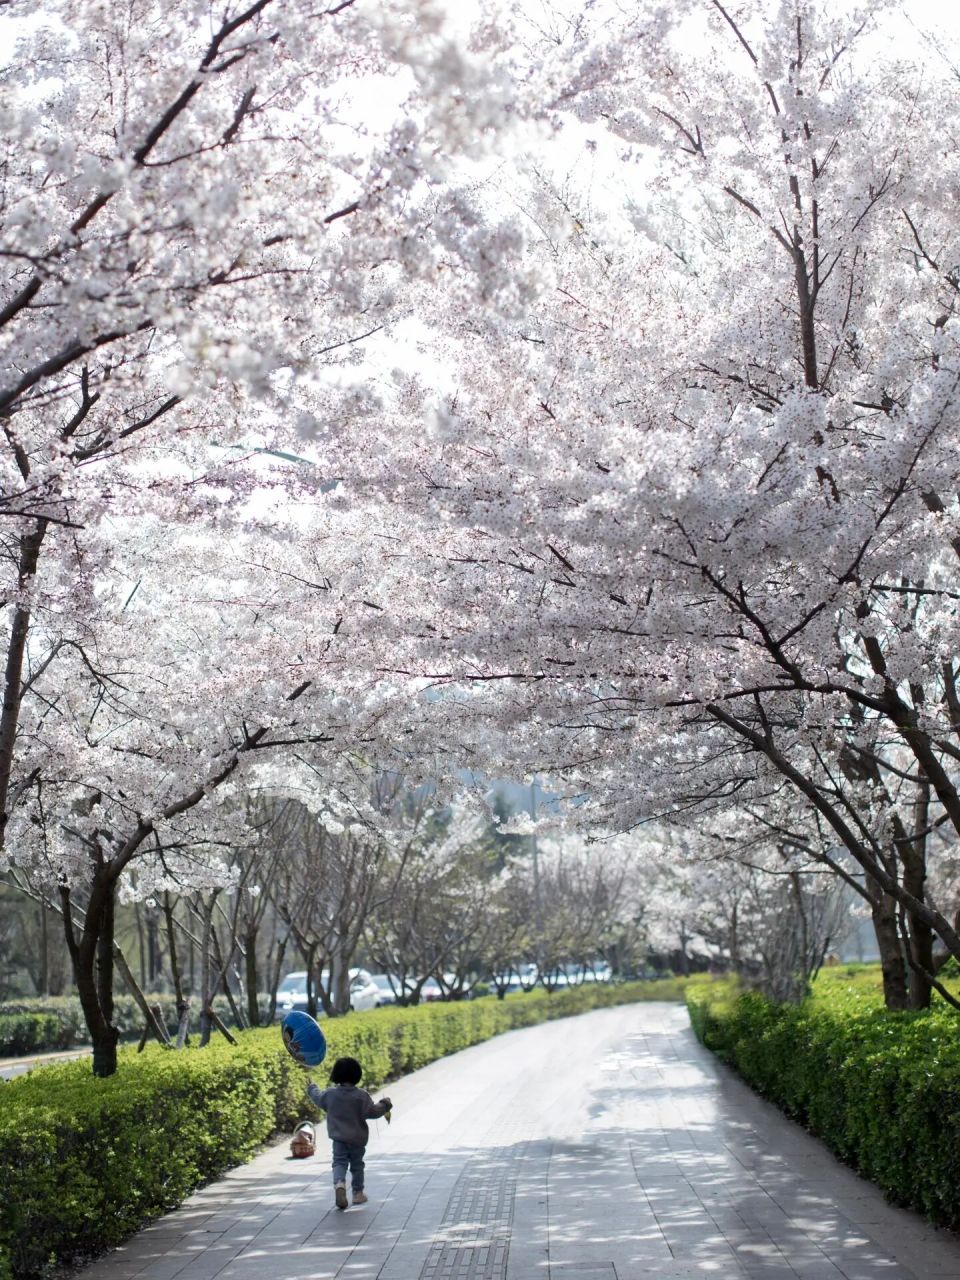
x: 665, y: 504
x: 206, y: 211
x: 696, y: 510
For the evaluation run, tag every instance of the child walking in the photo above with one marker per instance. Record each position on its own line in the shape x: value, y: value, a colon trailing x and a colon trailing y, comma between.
x: 348, y: 1110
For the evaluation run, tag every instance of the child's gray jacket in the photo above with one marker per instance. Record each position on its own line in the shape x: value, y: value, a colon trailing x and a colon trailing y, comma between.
x: 348, y: 1110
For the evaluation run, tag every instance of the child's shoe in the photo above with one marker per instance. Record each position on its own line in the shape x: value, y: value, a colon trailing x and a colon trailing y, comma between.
x: 340, y: 1194
x: 359, y: 1197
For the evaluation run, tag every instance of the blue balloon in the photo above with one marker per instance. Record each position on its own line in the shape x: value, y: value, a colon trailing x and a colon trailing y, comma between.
x: 303, y: 1038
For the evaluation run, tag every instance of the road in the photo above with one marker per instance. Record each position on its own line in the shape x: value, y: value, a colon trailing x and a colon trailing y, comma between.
x: 605, y: 1147
x: 10, y: 1068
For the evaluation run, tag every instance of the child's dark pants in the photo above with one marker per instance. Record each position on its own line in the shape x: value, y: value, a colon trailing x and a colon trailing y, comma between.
x: 348, y: 1153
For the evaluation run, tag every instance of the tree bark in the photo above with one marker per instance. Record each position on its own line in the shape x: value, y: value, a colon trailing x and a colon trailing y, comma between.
x: 250, y: 969
x: 920, y: 936
x: 339, y: 983
x: 892, y: 966
x: 105, y: 952
x: 310, y: 956
x: 223, y: 982
x: 275, y: 977
x: 30, y: 545
x: 206, y: 994
x: 141, y: 944
x: 183, y: 1006
x: 152, y: 1014
x: 153, y: 947
x: 92, y: 978
x: 44, y: 979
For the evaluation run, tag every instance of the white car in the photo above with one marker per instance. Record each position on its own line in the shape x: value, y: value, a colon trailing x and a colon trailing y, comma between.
x: 292, y: 992
x: 507, y: 982
x: 387, y: 989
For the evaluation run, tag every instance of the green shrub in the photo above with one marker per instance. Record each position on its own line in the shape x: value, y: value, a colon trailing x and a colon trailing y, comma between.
x: 87, y: 1161
x: 65, y: 1027
x: 881, y: 1089
x: 32, y: 1033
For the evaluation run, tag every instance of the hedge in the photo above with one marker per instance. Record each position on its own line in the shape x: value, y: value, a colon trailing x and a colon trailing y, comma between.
x: 58, y: 1021
x: 88, y: 1161
x: 32, y: 1033
x: 881, y: 1089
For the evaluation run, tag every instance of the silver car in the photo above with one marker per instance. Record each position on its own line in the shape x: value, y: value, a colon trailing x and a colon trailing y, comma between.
x: 292, y: 992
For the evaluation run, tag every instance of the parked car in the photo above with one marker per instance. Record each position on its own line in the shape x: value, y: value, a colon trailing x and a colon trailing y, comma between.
x: 591, y: 971
x: 292, y: 992
x: 506, y: 982
x: 431, y: 990
x: 386, y: 988
x: 455, y: 992
x: 555, y: 978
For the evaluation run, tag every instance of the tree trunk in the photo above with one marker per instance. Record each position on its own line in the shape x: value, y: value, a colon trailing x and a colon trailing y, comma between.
x: 105, y: 1051
x: 105, y: 953
x: 735, y: 960
x: 183, y: 1005
x: 223, y: 979
x: 275, y: 976
x: 919, y: 935
x: 44, y: 979
x: 141, y: 945
x: 103, y: 1035
x: 921, y: 942
x: 183, y: 1028
x: 153, y: 1015
x: 30, y: 544
x: 884, y: 913
x: 206, y: 993
x: 339, y: 983
x: 310, y: 956
x: 250, y: 969
x: 93, y: 972
x: 684, y: 958
x: 153, y: 947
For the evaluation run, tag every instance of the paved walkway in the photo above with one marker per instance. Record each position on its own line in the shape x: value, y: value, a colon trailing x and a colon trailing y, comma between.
x: 606, y: 1147
x: 10, y: 1068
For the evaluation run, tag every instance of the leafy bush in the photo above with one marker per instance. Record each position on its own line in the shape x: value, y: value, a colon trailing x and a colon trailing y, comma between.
x: 67, y: 1028
x: 32, y: 1033
x: 87, y: 1161
x: 881, y: 1089
x: 64, y: 1026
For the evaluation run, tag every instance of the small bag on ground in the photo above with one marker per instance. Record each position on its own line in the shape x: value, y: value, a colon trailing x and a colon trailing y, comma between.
x: 304, y: 1141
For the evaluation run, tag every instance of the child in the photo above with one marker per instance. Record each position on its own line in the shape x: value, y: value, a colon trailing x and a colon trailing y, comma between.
x: 348, y: 1110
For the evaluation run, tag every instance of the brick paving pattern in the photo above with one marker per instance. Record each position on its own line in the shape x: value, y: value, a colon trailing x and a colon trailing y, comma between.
x: 475, y: 1231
